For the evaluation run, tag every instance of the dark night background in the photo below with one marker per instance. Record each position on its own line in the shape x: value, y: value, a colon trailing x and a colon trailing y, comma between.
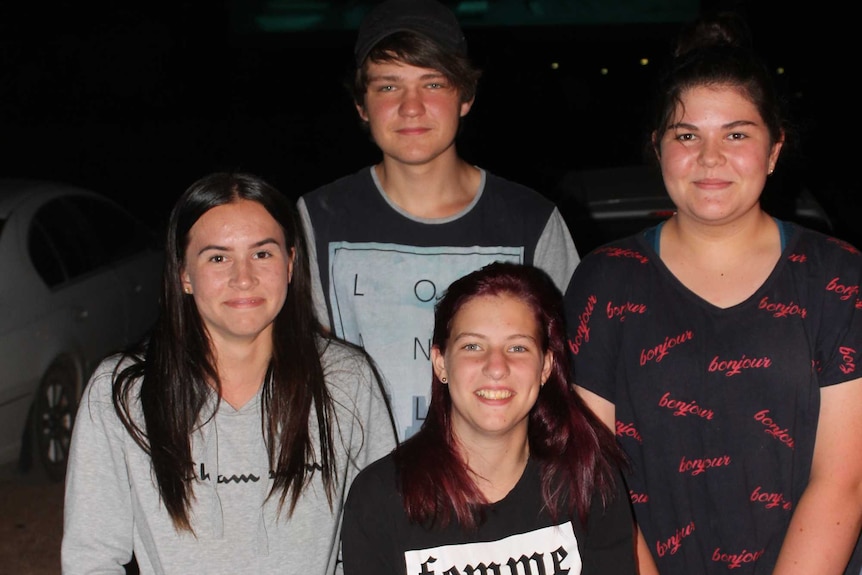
x: 136, y: 101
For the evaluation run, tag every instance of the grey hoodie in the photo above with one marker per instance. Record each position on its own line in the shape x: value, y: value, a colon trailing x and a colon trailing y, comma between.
x: 112, y: 505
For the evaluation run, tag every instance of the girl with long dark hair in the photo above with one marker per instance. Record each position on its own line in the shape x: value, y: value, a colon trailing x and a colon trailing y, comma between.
x: 226, y: 444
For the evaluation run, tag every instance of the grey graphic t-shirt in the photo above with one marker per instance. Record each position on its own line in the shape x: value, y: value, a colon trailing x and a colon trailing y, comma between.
x: 381, y: 270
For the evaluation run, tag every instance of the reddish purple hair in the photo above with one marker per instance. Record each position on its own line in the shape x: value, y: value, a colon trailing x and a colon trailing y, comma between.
x: 577, y: 454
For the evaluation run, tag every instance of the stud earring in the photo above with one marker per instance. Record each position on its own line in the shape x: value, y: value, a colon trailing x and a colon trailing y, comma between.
x: 443, y: 380
x: 187, y: 289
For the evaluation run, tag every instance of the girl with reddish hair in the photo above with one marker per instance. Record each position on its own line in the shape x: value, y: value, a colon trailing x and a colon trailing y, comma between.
x: 509, y: 467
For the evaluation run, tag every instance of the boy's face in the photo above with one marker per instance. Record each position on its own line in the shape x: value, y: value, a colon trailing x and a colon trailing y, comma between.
x: 413, y: 113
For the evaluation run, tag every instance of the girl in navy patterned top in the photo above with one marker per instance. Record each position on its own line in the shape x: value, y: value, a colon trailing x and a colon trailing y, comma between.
x: 722, y: 346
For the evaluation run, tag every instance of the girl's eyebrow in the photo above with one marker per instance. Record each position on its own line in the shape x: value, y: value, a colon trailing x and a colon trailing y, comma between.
x: 464, y: 334
x: 263, y: 242
x: 217, y: 247
x: 681, y: 126
x: 477, y: 335
x: 728, y: 126
x: 738, y: 124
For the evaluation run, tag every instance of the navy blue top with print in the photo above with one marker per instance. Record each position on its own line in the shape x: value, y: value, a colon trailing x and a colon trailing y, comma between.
x: 717, y: 408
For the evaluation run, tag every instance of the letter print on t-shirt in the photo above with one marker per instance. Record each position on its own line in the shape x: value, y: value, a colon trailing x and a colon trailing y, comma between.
x: 383, y: 298
x: 549, y: 550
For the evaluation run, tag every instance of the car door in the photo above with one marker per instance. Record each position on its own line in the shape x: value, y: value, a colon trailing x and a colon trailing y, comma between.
x: 87, y: 301
x: 132, y: 251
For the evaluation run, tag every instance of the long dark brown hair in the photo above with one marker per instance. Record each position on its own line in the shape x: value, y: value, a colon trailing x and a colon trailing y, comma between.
x: 177, y: 369
x: 578, y: 455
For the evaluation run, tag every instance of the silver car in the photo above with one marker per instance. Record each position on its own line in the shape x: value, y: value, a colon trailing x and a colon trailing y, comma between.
x: 81, y: 279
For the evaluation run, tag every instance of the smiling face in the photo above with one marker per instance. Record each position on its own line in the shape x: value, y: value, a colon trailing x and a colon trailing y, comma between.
x: 237, y: 268
x: 716, y: 155
x: 495, y: 367
x: 413, y: 113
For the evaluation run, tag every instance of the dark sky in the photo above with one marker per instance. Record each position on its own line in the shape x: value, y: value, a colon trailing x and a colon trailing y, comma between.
x: 138, y: 101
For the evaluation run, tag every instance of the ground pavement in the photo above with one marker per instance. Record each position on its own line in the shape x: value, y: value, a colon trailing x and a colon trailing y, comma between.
x: 31, y: 523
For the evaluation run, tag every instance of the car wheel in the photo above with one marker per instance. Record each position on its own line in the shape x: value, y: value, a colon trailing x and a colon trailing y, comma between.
x: 53, y: 416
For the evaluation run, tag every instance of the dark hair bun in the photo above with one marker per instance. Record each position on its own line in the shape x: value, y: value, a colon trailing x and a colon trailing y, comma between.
x: 722, y: 29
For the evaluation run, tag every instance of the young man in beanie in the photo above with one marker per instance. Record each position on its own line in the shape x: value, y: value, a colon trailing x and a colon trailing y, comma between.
x: 389, y: 239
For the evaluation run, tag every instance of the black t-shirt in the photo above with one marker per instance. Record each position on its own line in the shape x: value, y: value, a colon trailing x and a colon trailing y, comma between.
x: 716, y: 407
x: 517, y: 534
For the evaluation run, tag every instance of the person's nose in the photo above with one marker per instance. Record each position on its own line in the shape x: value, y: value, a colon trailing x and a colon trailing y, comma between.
x: 243, y: 274
x: 411, y: 103
x: 496, y: 366
x: 710, y: 153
